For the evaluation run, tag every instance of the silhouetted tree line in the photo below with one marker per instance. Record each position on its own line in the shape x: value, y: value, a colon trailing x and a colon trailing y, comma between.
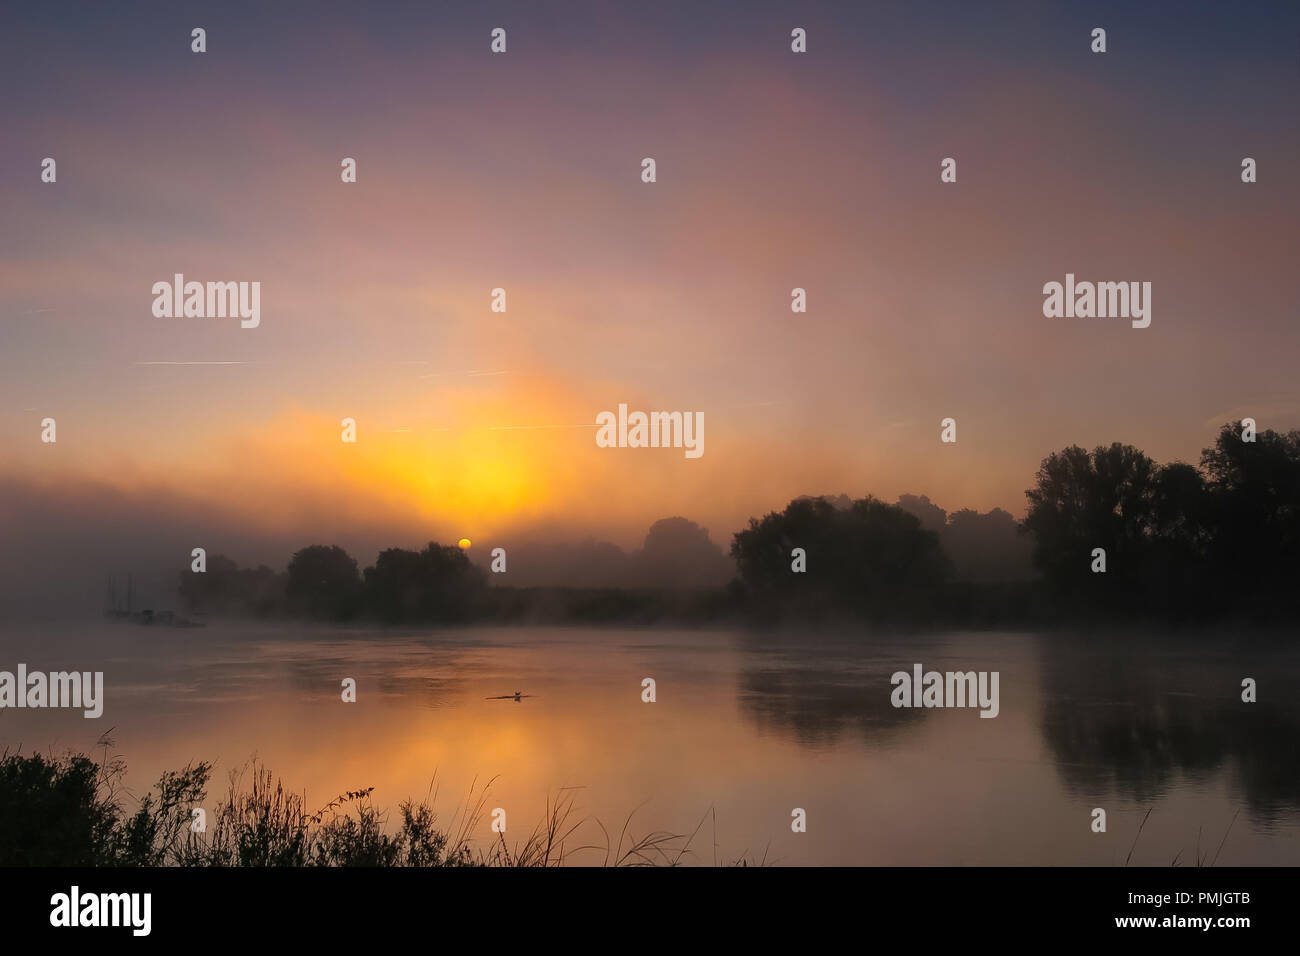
x: 819, y: 557
x: 984, y: 547
x: 323, y: 581
x: 1180, y: 542
x: 675, y: 553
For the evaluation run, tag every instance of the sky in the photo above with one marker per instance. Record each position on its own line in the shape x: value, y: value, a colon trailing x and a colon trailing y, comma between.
x: 522, y: 171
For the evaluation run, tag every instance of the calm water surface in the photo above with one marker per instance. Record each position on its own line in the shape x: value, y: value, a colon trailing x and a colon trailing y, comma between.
x: 751, y: 727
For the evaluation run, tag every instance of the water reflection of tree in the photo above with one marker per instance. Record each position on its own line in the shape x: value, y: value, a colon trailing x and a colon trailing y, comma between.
x: 1139, y: 721
x: 428, y: 674
x: 815, y: 696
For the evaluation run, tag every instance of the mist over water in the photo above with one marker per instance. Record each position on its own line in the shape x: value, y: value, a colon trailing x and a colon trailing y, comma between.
x: 750, y: 725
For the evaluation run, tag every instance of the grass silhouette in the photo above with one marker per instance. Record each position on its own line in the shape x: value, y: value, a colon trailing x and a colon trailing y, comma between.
x: 70, y: 811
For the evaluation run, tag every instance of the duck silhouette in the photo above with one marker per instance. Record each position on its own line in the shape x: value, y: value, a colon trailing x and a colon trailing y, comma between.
x: 515, y: 696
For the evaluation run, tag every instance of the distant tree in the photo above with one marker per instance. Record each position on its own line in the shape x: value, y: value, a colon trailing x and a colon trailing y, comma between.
x: 678, y: 553
x: 546, y: 562
x: 262, y: 591
x: 436, y: 584
x: 227, y: 589
x: 323, y: 582
x: 987, y: 547
x: 842, y: 502
x: 214, y: 590
x: 932, y: 517
x: 871, y: 556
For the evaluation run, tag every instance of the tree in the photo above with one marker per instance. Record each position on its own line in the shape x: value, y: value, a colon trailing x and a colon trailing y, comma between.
x: 225, y: 588
x: 1085, y: 500
x: 436, y: 584
x: 1254, y: 509
x: 1177, y: 574
x: 678, y: 553
x: 932, y: 517
x: 870, y: 556
x: 324, y: 582
x: 987, y: 547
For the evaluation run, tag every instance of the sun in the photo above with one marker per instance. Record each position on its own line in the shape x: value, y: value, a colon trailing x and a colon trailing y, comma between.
x: 463, y: 544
